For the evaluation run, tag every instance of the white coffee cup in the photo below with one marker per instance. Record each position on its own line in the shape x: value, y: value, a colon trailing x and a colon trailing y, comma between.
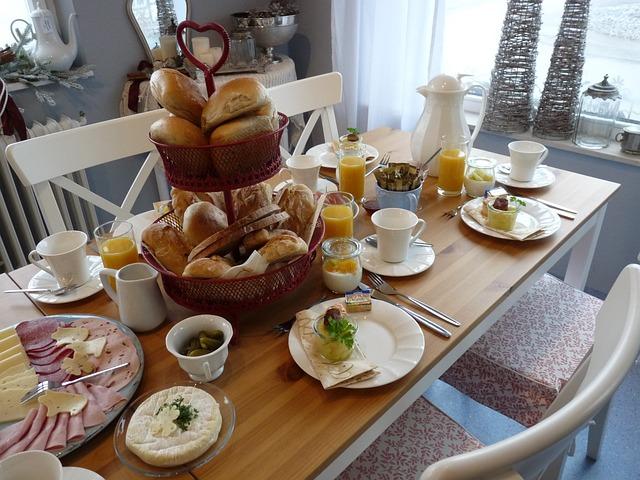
x: 525, y: 158
x: 305, y: 169
x: 395, y: 228
x: 66, y: 255
x: 137, y: 294
x: 31, y: 464
x: 204, y: 368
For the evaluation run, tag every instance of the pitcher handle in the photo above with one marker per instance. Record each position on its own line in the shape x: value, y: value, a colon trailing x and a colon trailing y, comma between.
x: 483, y: 107
x: 105, y: 275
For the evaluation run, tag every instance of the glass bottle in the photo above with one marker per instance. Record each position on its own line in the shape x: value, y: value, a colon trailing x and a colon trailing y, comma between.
x: 599, y: 106
x: 341, y: 266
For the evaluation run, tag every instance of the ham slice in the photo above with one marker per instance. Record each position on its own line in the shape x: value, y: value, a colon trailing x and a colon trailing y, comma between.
x: 34, y: 430
x: 47, y: 346
x: 92, y: 413
x: 40, y: 442
x: 106, y: 397
x: 14, y: 433
x: 54, y: 357
x: 35, y: 334
x: 56, y: 376
x: 58, y: 438
x: 47, y: 369
x: 75, y: 428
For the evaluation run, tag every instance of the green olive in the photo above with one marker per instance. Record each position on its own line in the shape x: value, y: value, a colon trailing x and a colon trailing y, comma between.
x: 210, y: 343
x: 197, y: 352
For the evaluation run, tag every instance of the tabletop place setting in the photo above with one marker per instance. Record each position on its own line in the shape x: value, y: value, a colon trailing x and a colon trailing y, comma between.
x: 196, y: 338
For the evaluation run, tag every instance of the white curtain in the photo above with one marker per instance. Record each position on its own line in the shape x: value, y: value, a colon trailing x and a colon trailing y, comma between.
x: 384, y: 50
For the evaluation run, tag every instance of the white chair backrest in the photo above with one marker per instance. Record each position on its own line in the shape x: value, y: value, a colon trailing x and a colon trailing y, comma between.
x: 316, y: 95
x: 49, y: 158
x: 528, y: 454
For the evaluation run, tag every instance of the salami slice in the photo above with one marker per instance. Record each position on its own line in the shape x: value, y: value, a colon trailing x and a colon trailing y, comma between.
x: 51, y: 359
x: 35, y: 334
x: 44, y: 347
x: 45, y: 351
x: 55, y: 376
x: 47, y: 369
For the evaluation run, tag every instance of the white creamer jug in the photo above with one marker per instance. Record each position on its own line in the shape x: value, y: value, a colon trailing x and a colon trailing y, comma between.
x: 443, y: 115
x: 51, y: 52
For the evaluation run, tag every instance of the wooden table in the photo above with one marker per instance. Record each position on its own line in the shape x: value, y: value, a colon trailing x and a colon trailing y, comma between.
x: 287, y: 425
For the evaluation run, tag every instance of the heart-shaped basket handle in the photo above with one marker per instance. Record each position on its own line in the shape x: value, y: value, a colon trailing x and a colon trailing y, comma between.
x: 208, y: 72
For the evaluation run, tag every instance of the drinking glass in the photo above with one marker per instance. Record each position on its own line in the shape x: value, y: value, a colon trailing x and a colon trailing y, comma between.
x: 351, y: 176
x: 117, y: 245
x: 338, y: 212
x: 452, y: 162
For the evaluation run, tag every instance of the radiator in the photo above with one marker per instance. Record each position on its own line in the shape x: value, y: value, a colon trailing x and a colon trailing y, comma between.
x: 21, y: 224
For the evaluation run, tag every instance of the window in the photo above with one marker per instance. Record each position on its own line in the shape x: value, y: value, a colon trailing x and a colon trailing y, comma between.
x: 12, y: 10
x: 472, y: 31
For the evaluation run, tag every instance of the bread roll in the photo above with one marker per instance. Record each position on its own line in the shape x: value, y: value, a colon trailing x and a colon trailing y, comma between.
x: 283, y: 248
x: 231, y: 100
x: 180, y: 200
x: 213, y: 267
x: 241, y: 128
x: 255, y: 240
x: 178, y: 93
x: 249, y: 199
x: 176, y: 131
x: 168, y: 245
x: 298, y: 201
x: 201, y: 220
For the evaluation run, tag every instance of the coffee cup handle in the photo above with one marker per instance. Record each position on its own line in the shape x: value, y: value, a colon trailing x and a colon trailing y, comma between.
x: 207, y: 371
x: 413, y: 202
x: 421, y: 226
x: 543, y: 156
x: 620, y: 136
x: 105, y: 275
x: 35, y: 258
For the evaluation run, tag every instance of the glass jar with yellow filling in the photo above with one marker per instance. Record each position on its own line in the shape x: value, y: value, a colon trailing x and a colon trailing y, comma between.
x: 341, y: 267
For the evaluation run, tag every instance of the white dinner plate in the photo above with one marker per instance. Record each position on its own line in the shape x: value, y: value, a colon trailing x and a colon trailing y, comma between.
x: 77, y: 473
x: 43, y: 280
x: 419, y: 259
x: 543, y: 177
x: 324, y: 186
x: 546, y: 218
x: 328, y: 156
x: 386, y: 335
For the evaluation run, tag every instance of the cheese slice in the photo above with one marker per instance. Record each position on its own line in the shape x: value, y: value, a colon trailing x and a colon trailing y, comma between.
x: 17, y: 359
x: 28, y: 380
x: 64, y: 335
x: 58, y: 402
x: 10, y: 408
x: 77, y: 365
x: 11, y: 351
x: 10, y: 371
x: 7, y: 332
x: 93, y: 347
x: 8, y: 342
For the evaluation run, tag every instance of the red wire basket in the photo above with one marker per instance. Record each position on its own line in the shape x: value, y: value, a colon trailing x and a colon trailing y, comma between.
x: 211, y: 168
x: 235, y: 295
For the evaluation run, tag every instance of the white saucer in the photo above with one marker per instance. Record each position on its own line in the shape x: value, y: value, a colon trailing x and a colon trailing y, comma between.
x: 328, y: 156
x: 43, y: 280
x: 77, y: 473
x: 543, y: 177
x: 420, y: 259
x: 324, y: 186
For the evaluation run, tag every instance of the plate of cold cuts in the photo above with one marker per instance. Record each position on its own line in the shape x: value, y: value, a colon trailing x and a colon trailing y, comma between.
x: 59, y: 348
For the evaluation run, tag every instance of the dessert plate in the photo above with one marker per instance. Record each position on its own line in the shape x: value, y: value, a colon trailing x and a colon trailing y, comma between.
x: 419, y: 259
x: 386, y: 335
x: 43, y: 280
x: 328, y: 156
x: 543, y: 177
x: 547, y: 219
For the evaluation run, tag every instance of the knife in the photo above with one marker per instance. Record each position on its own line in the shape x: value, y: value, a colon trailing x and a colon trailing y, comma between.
x: 416, y: 316
x: 373, y: 241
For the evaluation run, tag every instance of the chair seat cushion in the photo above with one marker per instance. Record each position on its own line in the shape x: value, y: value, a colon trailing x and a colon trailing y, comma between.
x: 520, y: 364
x: 419, y: 437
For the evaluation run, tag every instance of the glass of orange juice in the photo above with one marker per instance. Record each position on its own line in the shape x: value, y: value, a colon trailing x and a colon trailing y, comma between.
x: 452, y: 163
x: 116, y: 244
x: 351, y: 171
x: 337, y: 213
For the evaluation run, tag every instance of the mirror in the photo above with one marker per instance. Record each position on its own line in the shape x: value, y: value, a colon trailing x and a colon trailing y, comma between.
x: 151, y: 18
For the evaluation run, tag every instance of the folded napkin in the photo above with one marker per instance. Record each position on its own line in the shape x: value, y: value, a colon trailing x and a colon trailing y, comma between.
x: 519, y: 232
x: 337, y: 374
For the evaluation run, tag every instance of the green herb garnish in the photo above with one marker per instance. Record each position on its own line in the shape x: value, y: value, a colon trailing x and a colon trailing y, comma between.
x: 353, y: 131
x: 518, y: 201
x: 187, y: 413
x: 341, y: 330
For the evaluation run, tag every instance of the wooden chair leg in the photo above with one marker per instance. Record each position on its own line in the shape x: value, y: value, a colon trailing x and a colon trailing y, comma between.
x: 596, y: 432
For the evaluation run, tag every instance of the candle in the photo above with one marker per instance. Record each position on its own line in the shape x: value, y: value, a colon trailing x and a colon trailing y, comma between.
x: 200, y: 45
x: 169, y: 46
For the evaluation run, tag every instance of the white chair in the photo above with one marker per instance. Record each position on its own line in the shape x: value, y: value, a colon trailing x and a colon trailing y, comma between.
x: 408, y: 445
x: 44, y: 160
x: 317, y: 95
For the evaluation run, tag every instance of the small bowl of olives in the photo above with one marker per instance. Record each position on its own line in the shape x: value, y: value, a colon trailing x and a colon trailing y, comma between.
x: 201, y: 345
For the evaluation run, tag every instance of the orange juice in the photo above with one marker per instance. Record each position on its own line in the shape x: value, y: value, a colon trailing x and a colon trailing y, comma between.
x: 338, y: 221
x: 451, y: 171
x: 351, y: 176
x: 118, y: 252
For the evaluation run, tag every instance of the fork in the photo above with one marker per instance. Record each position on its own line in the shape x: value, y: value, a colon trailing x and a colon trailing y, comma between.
x: 51, y: 291
x: 284, y: 327
x: 453, y: 212
x: 384, y: 161
x: 42, y: 387
x: 387, y: 289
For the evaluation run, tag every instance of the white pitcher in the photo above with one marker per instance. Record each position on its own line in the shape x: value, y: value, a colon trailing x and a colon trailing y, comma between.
x: 443, y: 115
x: 51, y: 52
x: 137, y: 294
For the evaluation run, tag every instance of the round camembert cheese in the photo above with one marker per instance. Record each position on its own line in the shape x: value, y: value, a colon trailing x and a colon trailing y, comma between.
x: 156, y: 439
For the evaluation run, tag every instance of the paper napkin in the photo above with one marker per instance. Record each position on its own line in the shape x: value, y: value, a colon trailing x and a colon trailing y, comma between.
x: 337, y: 374
x: 519, y: 232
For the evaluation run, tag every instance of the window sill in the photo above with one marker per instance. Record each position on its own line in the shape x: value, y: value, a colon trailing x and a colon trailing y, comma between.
x: 612, y: 152
x: 17, y: 86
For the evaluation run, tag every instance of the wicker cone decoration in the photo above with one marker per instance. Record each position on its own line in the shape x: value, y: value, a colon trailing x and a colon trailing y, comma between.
x: 510, y: 100
x: 556, y: 117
